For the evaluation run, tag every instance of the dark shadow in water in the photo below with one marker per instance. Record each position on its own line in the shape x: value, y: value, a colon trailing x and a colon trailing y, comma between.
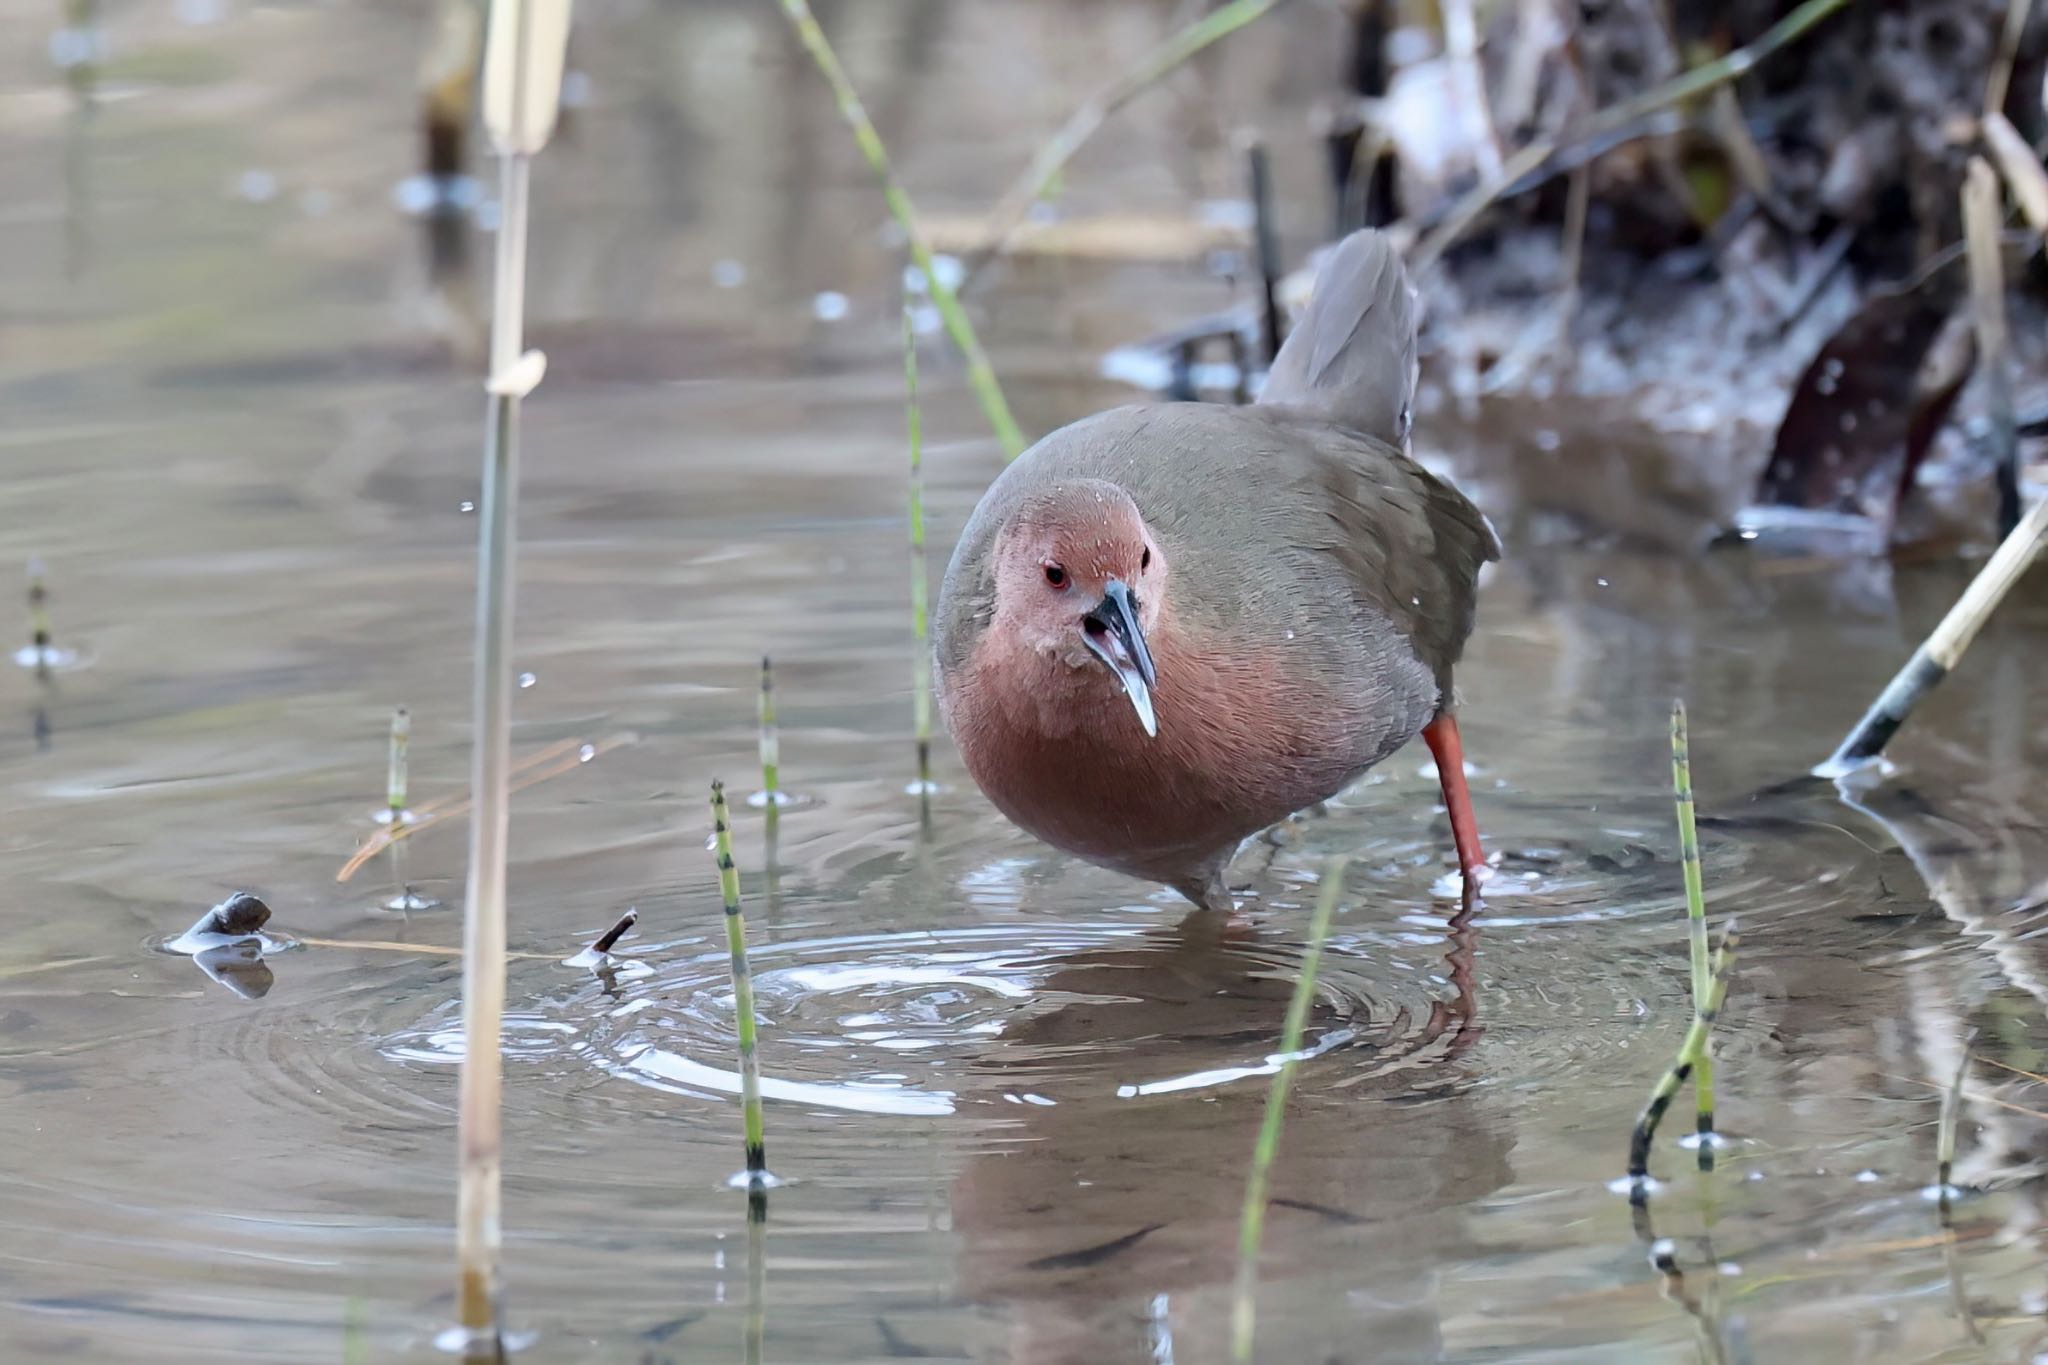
x: 1103, y: 1224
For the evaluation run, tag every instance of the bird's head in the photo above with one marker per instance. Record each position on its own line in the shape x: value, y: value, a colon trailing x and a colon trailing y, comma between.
x: 1080, y: 577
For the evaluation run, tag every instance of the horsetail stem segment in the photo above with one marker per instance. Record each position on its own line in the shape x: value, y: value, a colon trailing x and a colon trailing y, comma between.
x: 771, y: 743
x: 38, y: 609
x: 1696, y: 921
x: 1251, y: 1225
x: 742, y: 988
x: 394, y: 775
x: 1689, y: 1053
x: 920, y: 590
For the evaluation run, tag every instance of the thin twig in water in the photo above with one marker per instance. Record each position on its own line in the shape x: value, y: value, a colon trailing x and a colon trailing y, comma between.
x: 1696, y: 924
x: 920, y: 577
x: 1942, y: 650
x: 1252, y: 1224
x: 1031, y: 186
x: 522, y: 83
x: 981, y: 375
x: 1689, y: 1053
x: 1951, y: 1120
x: 756, y: 1174
x: 1698, y: 80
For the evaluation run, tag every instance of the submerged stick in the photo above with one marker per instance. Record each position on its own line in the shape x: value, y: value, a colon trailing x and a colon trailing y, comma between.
x: 394, y: 768
x: 1252, y: 1223
x: 981, y: 375
x: 771, y: 741
x: 1951, y: 1120
x: 1943, y: 649
x: 756, y: 1175
x: 920, y: 575
x: 1983, y: 211
x: 1689, y: 1053
x: 522, y: 83
x: 1031, y: 186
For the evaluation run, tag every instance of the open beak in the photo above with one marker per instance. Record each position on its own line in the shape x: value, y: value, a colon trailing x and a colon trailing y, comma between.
x: 1114, y: 636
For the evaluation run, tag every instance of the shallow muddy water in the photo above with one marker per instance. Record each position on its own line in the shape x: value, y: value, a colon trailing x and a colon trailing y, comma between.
x: 1013, y: 1096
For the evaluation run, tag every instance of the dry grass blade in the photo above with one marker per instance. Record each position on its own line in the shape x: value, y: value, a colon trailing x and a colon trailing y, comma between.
x: 2022, y: 170
x: 563, y: 757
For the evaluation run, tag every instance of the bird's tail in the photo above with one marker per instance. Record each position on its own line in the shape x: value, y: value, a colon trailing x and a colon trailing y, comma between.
x: 1351, y: 358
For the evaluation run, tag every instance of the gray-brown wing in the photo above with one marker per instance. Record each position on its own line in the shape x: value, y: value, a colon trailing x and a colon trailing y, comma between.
x: 1411, y: 545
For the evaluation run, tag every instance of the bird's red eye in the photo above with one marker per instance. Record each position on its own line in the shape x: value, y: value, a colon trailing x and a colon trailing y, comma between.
x: 1055, y: 575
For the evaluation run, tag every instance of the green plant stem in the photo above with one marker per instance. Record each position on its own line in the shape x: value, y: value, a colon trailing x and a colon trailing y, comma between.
x: 394, y: 775
x: 920, y: 586
x: 1252, y: 1224
x: 1696, y: 926
x: 1689, y: 1053
x: 981, y: 374
x: 771, y: 740
x: 1052, y: 157
x: 742, y: 989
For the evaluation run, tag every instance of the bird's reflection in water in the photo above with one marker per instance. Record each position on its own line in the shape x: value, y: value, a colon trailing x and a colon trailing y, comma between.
x: 1105, y: 1221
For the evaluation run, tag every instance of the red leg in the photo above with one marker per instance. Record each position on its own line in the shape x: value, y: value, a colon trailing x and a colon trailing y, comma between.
x: 1449, y: 750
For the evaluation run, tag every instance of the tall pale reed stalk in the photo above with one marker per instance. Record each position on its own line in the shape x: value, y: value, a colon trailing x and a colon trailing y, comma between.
x: 522, y: 91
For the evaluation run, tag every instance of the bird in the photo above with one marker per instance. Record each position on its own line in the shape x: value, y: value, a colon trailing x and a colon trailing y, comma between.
x: 1170, y: 626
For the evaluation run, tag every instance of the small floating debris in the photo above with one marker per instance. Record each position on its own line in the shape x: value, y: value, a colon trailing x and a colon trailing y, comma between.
x: 237, y: 920
x: 830, y: 306
x: 598, y: 956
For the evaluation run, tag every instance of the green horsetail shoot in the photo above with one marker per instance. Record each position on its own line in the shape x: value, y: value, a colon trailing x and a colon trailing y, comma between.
x: 1252, y: 1223
x: 395, y: 812
x: 920, y: 578
x: 1696, y: 923
x: 771, y: 794
x: 755, y: 1177
x: 1709, y: 987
